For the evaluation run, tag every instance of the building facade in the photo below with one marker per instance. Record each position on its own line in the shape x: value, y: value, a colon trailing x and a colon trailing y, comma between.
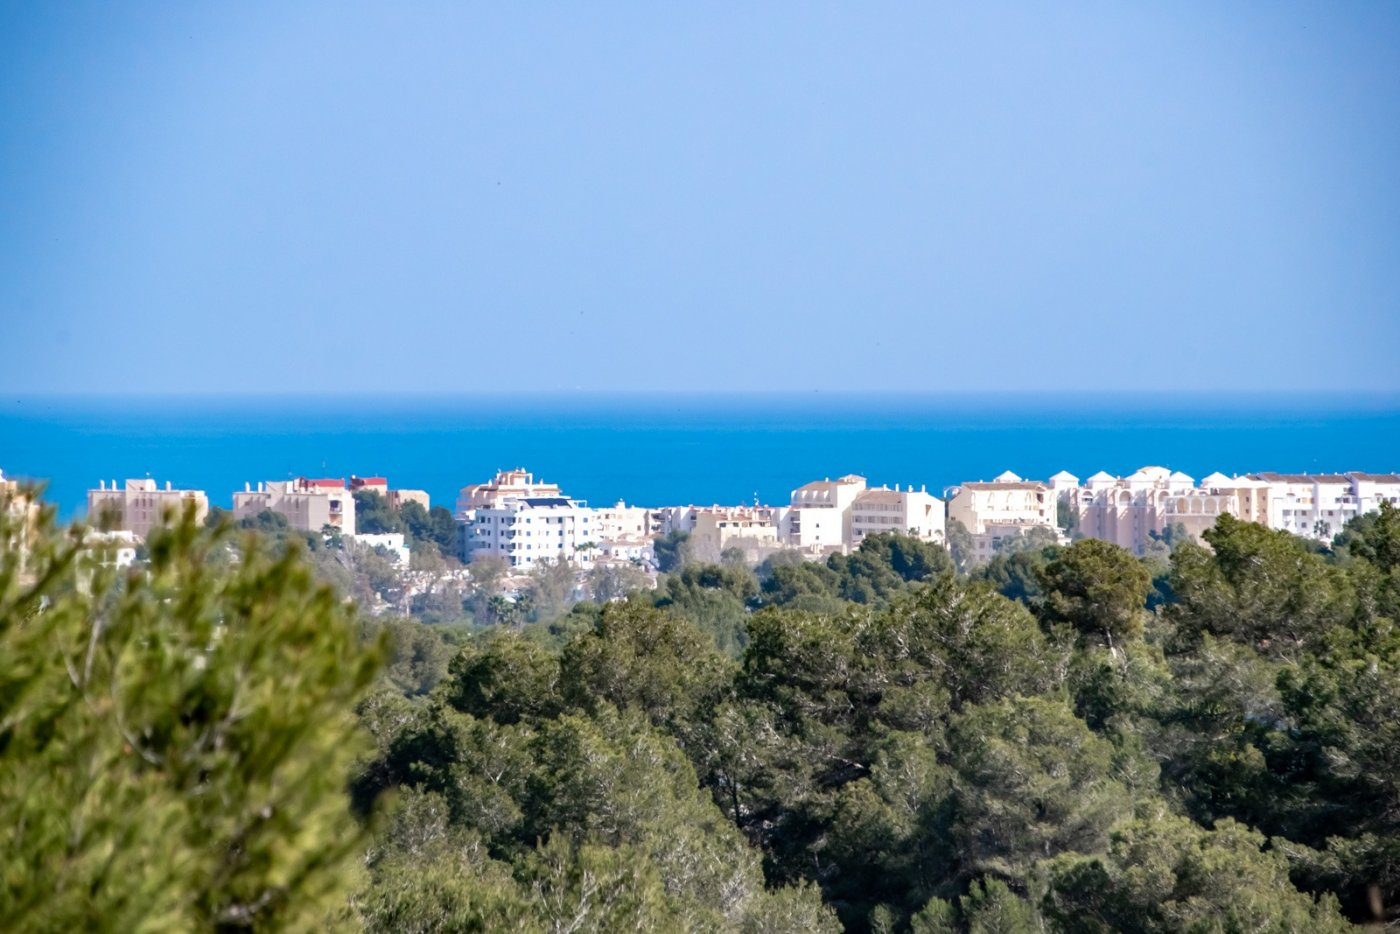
x: 140, y: 505
x: 750, y: 528
x: 1317, y: 506
x: 1128, y: 511
x: 19, y: 520
x: 309, y: 505
x: 524, y: 522
x: 623, y: 523
x: 1002, y: 510
x: 911, y: 512
x: 818, y: 518
x: 507, y: 483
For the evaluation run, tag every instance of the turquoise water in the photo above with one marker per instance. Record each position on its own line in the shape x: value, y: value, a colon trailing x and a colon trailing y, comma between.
x: 663, y: 450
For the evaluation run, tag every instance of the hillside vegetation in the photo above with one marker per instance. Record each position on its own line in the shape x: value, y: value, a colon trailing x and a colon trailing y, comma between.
x: 1070, y: 739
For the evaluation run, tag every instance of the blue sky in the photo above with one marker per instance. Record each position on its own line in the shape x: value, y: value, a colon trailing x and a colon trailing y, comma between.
x: 417, y: 197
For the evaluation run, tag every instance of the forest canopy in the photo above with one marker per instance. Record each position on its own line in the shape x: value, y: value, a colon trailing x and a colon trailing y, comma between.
x: 1069, y: 739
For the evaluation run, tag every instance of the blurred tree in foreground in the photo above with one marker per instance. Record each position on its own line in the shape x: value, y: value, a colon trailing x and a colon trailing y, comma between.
x: 174, y: 738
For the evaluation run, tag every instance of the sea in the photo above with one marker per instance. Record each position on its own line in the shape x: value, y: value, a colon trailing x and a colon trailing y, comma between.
x: 671, y: 449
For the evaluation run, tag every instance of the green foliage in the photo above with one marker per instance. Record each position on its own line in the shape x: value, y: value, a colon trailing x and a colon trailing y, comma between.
x: 964, y: 639
x: 913, y: 559
x: 643, y: 659
x: 175, y: 738
x: 839, y: 755
x: 990, y: 907
x: 885, y: 565
x: 1373, y: 538
x: 551, y: 591
x: 418, y: 654
x: 960, y: 546
x: 506, y: 678
x: 1168, y: 874
x: 430, y: 527
x: 672, y: 551
x: 936, y: 917
x: 807, y: 585
x: 434, y: 529
x: 1066, y: 517
x: 714, y: 598
x: 882, y: 566
x: 1257, y: 586
x: 557, y: 817
x: 1033, y: 781
x: 1097, y: 588
x: 1016, y: 574
x: 1034, y: 538
x: 867, y: 743
x: 374, y: 515
x: 608, y: 582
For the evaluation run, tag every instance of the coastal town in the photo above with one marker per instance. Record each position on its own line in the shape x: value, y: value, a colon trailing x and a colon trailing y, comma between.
x: 524, y: 522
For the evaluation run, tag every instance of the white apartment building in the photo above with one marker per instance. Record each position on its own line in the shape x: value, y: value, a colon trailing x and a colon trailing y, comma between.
x: 1127, y: 510
x: 393, y: 544
x: 1372, y: 489
x: 309, y: 505
x: 1318, y: 505
x: 819, y: 517
x: 524, y: 522
x: 1004, y: 508
x: 140, y: 505
x: 668, y: 519
x: 912, y: 512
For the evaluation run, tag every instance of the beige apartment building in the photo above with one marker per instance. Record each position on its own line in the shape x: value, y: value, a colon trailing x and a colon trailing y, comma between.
x: 1003, y: 509
x: 21, y: 514
x: 751, y: 528
x: 625, y: 533
x: 139, y: 505
x: 308, y: 504
x: 396, y: 498
x: 1128, y: 510
x: 622, y: 523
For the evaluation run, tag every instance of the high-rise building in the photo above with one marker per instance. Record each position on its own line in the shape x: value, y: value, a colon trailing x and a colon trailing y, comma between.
x: 524, y: 522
